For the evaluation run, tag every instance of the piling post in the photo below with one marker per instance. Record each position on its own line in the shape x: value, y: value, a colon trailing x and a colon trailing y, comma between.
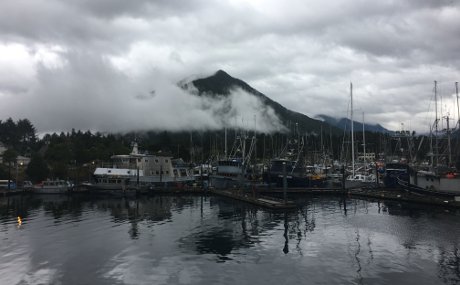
x: 9, y: 176
x: 284, y: 182
x: 201, y: 176
x: 376, y: 175
x: 161, y: 173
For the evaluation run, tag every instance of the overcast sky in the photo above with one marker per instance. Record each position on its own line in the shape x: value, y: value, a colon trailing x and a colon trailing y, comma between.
x: 88, y: 64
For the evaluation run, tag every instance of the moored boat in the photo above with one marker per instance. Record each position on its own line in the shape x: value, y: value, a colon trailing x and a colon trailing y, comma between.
x: 230, y: 173
x: 233, y: 171
x: 440, y: 177
x: 52, y: 187
x: 435, y: 183
x: 395, y: 172
x: 139, y: 172
x: 297, y: 175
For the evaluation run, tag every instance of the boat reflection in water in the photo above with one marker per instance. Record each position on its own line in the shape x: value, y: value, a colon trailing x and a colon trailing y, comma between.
x: 215, y: 240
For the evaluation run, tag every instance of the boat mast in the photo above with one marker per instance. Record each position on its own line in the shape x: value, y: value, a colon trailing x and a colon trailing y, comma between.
x: 431, y: 147
x: 255, y: 139
x: 458, y: 107
x: 449, y: 151
x: 364, y: 146
x: 352, y: 135
x: 225, y: 151
x: 458, y: 115
x: 436, y: 122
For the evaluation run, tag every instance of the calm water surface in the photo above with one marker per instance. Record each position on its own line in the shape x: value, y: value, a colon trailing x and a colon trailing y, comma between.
x: 214, y: 240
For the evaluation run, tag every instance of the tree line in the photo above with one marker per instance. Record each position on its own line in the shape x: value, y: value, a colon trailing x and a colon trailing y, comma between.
x: 74, y: 154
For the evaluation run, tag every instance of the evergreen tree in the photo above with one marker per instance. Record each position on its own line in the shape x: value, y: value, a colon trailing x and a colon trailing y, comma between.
x: 37, y: 170
x: 26, y: 131
x: 8, y: 132
x: 9, y: 156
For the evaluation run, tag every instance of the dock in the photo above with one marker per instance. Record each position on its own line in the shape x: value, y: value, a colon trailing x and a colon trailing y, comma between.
x: 266, y: 197
x: 6, y: 192
x: 262, y: 201
x: 403, y: 196
x: 301, y: 190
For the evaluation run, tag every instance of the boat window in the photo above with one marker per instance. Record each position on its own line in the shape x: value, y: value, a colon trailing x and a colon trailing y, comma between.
x: 166, y: 160
x: 167, y: 171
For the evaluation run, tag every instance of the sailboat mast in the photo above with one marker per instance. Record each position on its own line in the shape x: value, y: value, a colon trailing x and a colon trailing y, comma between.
x: 436, y: 122
x: 352, y: 133
x: 449, y: 151
x: 225, y: 151
x: 458, y: 114
x: 458, y: 107
x: 364, y: 146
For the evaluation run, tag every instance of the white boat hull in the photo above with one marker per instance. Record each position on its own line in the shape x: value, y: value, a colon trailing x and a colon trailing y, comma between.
x: 436, y: 183
x: 50, y: 190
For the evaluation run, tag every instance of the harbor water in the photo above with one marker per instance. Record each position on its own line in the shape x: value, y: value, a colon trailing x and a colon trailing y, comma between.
x: 193, y: 239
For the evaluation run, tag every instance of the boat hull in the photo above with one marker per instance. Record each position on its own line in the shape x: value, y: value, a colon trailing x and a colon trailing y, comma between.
x: 294, y: 181
x: 429, y: 184
x: 112, y: 190
x: 223, y: 182
x: 50, y: 190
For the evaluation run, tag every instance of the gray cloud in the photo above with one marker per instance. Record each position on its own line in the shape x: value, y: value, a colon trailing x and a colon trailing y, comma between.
x: 87, y: 93
x: 81, y: 64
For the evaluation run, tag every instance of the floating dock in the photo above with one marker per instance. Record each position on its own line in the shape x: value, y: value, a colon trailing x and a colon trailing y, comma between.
x: 262, y: 201
x: 314, y: 190
x: 6, y: 192
x: 402, y: 195
x: 264, y: 196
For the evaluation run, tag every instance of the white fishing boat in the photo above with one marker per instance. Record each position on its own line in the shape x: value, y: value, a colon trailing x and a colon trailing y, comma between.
x: 52, y: 187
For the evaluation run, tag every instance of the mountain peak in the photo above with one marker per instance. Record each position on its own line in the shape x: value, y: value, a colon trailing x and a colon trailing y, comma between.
x: 222, y: 73
x: 221, y: 83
